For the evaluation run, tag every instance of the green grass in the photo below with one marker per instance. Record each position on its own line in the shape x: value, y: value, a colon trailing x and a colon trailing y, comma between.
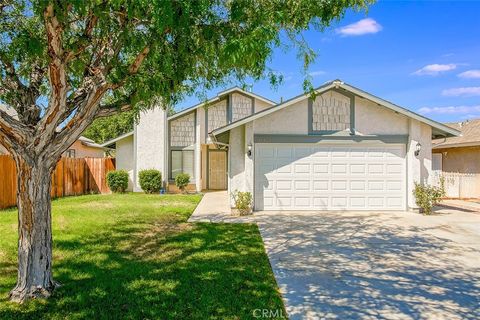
x: 134, y: 256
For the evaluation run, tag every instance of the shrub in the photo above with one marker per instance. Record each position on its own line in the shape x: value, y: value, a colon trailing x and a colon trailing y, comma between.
x: 150, y: 180
x: 243, y: 201
x: 426, y: 196
x: 182, y: 180
x: 117, y: 180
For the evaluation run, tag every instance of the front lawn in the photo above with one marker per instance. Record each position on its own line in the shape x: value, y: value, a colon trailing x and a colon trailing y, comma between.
x: 134, y: 256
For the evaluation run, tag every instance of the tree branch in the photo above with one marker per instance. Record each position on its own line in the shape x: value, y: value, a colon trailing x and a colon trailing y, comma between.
x: 85, y: 41
x: 133, y: 69
x: 12, y: 130
x: 56, y: 71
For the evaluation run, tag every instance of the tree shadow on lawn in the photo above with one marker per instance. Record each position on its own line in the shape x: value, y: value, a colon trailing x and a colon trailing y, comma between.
x: 353, y: 267
x: 163, y: 271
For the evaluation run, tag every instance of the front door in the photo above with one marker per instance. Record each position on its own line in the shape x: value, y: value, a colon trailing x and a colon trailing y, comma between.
x: 217, y: 170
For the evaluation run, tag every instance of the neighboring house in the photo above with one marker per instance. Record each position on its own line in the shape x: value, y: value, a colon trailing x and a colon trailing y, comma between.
x: 85, y: 148
x: 82, y: 148
x: 345, y: 150
x: 459, y: 154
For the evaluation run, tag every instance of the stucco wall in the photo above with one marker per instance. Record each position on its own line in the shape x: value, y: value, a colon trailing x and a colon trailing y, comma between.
x: 150, y: 144
x: 124, y: 159
x: 236, y: 157
x: 261, y: 105
x: 290, y: 120
x: 371, y: 118
x: 461, y: 159
x: 83, y: 151
x: 419, y: 168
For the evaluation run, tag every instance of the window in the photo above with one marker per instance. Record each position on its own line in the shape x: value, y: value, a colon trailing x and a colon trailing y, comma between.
x: 70, y: 153
x: 181, y: 161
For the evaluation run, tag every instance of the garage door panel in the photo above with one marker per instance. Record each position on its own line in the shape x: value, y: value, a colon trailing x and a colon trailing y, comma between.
x: 339, y: 168
x: 321, y: 168
x: 310, y: 177
x: 357, y: 185
x: 302, y: 185
x: 339, y: 185
x: 376, y: 168
x: 394, y: 168
x: 300, y: 168
x: 357, y: 168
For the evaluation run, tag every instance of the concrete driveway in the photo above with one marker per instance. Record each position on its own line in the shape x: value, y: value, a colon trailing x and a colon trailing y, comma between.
x: 375, y: 265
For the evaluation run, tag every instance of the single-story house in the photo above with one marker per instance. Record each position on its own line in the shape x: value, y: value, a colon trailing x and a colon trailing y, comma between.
x: 342, y: 149
x: 461, y: 153
x: 85, y: 148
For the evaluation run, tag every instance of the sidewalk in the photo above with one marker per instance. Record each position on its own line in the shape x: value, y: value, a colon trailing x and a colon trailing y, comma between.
x: 465, y: 205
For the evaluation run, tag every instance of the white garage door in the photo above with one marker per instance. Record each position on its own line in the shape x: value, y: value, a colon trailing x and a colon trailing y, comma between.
x: 326, y: 177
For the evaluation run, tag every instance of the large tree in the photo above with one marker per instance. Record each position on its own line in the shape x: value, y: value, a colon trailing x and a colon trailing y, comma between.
x: 65, y: 63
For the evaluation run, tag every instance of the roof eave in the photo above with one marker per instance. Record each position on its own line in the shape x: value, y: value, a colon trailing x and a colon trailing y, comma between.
x: 219, y: 97
x: 123, y: 136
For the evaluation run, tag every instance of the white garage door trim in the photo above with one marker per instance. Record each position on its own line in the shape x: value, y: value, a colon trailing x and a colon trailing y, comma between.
x: 296, y: 176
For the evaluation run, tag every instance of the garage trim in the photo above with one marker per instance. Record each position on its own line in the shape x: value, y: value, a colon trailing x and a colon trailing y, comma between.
x: 339, y: 138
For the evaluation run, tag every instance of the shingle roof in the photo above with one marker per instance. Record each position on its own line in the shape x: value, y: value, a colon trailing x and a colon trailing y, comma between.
x: 470, y: 135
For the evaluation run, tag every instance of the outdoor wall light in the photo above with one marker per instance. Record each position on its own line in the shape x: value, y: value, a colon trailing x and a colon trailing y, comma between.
x: 418, y: 147
x: 249, y: 147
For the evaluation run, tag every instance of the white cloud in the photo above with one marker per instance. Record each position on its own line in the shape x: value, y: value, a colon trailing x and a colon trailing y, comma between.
x: 359, y: 28
x: 453, y: 110
x: 465, y: 92
x: 317, y: 73
x: 470, y: 74
x: 435, y: 69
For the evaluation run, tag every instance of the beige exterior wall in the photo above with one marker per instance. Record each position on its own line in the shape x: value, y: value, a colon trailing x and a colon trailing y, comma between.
x: 371, y: 118
x: 150, y: 146
x: 290, y: 120
x: 461, y: 159
x: 261, y: 105
x: 124, y: 159
x: 236, y: 160
x: 419, y: 168
x: 83, y: 151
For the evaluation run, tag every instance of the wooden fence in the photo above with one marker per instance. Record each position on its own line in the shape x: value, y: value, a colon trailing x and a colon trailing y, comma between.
x: 71, y: 177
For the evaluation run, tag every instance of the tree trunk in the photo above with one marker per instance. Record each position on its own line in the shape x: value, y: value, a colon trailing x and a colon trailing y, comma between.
x: 34, y: 231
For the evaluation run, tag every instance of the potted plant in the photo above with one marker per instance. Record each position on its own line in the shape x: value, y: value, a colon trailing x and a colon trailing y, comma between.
x: 243, y: 203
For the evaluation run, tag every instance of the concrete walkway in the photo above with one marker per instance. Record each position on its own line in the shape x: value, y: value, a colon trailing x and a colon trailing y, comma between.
x: 368, y: 265
x: 467, y: 205
x: 213, y: 207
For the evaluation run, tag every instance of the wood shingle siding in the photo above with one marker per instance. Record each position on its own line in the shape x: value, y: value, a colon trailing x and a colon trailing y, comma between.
x: 182, y: 131
x: 217, y: 115
x: 241, y: 106
x: 331, y: 112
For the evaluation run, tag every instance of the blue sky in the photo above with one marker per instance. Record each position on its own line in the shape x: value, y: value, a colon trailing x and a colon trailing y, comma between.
x: 424, y: 56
